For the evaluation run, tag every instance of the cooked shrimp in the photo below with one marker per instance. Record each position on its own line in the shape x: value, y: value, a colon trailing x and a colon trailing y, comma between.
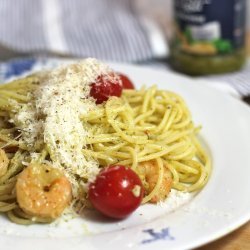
x: 149, y: 172
x: 43, y: 191
x: 4, y: 162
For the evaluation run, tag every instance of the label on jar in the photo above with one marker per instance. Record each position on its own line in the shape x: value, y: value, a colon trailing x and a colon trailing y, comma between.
x: 210, y: 27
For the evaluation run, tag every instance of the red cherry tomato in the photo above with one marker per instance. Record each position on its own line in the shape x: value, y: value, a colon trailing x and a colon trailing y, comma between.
x: 126, y: 82
x: 116, y: 192
x: 106, y: 86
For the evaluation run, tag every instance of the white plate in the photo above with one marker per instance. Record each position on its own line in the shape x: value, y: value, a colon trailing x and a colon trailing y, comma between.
x: 222, y: 206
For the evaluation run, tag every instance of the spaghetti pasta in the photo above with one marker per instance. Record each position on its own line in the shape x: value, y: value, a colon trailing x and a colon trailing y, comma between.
x: 146, y: 125
x: 142, y: 125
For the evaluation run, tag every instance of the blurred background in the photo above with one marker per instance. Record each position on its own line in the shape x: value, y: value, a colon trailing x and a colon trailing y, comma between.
x: 130, y: 31
x: 23, y: 21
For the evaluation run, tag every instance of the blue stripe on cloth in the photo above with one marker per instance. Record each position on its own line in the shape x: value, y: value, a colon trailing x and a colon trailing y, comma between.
x: 21, y: 25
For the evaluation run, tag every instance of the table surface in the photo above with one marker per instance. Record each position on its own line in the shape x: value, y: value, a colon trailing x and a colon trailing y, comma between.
x: 238, y: 240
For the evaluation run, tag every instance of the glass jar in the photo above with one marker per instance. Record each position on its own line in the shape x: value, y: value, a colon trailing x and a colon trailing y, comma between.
x: 209, y: 36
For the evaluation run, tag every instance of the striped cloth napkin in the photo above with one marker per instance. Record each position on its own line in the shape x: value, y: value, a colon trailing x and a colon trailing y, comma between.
x: 106, y: 29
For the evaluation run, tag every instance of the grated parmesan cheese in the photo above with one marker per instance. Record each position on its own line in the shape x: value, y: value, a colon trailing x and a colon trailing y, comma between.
x: 52, y: 119
x: 175, y: 200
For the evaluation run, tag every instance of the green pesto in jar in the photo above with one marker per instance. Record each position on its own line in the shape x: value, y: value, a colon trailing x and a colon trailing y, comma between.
x: 209, y: 36
x: 204, y: 65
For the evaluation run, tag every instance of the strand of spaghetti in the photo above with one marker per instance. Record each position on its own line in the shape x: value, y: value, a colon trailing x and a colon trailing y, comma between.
x: 154, y: 155
x: 153, y: 119
x: 185, y: 168
x: 163, y: 122
x: 174, y: 172
x: 3, y: 102
x: 127, y: 117
x: 185, y: 154
x: 135, y: 163
x: 102, y: 138
x: 183, y: 124
x: 8, y: 131
x: 42, y: 156
x: 170, y: 121
x: 143, y: 116
x: 7, y: 142
x: 134, y: 155
x: 180, y: 109
x: 19, y: 215
x: 137, y: 129
x: 188, y: 179
x: 15, y: 96
x: 199, y: 183
x: 98, y: 155
x: 169, y: 137
x: 130, y: 92
x: 157, y: 147
x: 120, y: 155
x: 131, y: 139
x: 145, y: 127
x: 121, y: 124
x: 11, y: 180
x: 7, y: 197
x: 201, y: 154
x: 161, y: 153
x: 15, y: 166
x: 184, y: 176
x: 93, y: 115
x: 135, y: 99
x: 107, y: 148
x: 23, y: 83
x: 6, y: 188
x: 3, y: 113
x: 131, y: 111
x: 151, y: 92
x: 110, y: 116
x: 4, y: 206
x: 18, y: 220
x: 6, y: 138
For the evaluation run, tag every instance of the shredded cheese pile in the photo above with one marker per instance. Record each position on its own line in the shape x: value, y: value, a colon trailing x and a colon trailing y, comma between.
x: 53, y: 119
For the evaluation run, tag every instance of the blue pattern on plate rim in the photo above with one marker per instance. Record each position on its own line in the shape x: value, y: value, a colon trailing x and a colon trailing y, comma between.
x: 16, y: 67
x: 20, y: 67
x: 164, y: 234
